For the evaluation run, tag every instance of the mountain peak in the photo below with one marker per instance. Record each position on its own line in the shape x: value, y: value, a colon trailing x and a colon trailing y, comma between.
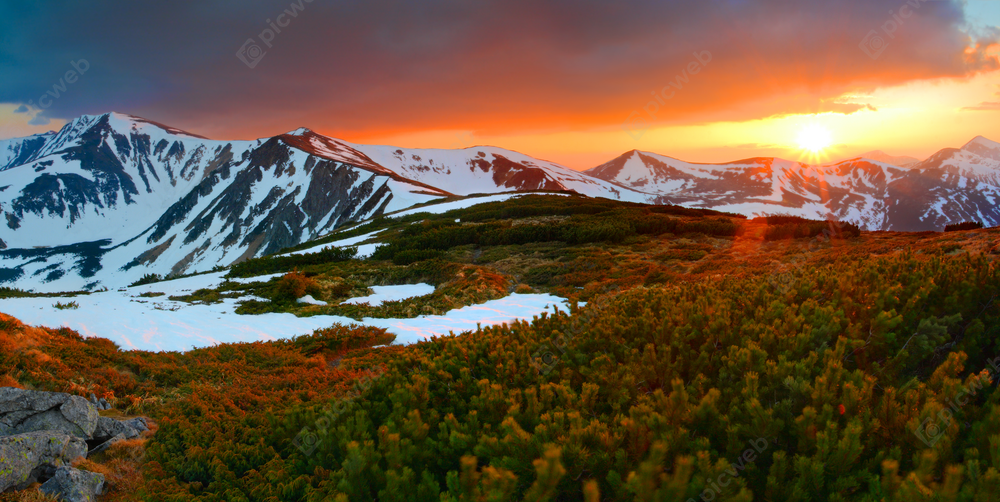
x: 982, y: 141
x: 983, y: 147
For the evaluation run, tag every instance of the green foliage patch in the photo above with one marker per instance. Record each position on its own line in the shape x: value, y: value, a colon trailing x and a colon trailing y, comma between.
x: 287, y: 263
x: 830, y: 380
x: 965, y: 225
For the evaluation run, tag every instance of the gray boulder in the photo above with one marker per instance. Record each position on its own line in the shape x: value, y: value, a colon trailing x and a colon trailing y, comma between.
x: 100, y: 404
x: 105, y: 445
x: 137, y: 423
x: 26, y: 457
x: 108, y: 428
x: 74, y: 485
x: 24, y: 411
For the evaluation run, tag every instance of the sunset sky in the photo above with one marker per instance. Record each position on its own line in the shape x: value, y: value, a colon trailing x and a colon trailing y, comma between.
x: 575, y: 82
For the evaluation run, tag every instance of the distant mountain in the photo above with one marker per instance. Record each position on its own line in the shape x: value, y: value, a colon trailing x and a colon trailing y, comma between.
x: 983, y: 147
x: 880, y: 156
x: 110, y: 198
x: 952, y: 185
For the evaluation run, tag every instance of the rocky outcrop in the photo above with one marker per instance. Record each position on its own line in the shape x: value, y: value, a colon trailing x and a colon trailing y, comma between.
x: 100, y: 404
x: 108, y: 428
x: 110, y: 431
x: 24, y: 411
x: 41, y: 433
x: 73, y: 485
x: 27, y: 458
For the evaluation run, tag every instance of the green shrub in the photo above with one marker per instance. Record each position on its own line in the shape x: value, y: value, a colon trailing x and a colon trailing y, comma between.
x: 14, y: 293
x: 147, y: 279
x: 274, y: 264
x: 411, y: 256
x: 295, y: 285
x: 965, y: 225
x: 793, y: 227
x: 201, y: 296
x: 653, y: 393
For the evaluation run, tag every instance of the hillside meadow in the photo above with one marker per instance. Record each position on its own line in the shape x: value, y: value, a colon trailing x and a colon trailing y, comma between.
x: 707, y: 357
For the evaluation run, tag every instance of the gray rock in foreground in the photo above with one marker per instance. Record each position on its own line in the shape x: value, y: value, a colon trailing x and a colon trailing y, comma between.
x: 137, y: 423
x: 24, y: 411
x: 106, y: 444
x: 74, y: 485
x: 108, y: 428
x: 25, y: 457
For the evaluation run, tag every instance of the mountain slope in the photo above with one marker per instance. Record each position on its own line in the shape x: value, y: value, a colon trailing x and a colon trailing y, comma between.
x: 952, y: 185
x: 485, y: 169
x: 111, y: 198
x: 104, y: 177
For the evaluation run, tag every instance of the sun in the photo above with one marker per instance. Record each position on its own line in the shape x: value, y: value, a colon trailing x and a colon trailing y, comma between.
x: 815, y: 138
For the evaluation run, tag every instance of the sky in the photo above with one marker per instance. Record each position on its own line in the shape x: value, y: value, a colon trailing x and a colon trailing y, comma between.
x: 577, y: 82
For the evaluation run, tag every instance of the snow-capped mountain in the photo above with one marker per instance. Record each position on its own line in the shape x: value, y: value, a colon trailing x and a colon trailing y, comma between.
x: 475, y: 170
x: 951, y: 186
x: 485, y: 169
x: 983, y: 147
x: 110, y: 198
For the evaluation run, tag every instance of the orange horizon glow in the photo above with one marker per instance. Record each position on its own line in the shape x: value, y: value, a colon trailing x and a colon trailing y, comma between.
x: 914, y: 119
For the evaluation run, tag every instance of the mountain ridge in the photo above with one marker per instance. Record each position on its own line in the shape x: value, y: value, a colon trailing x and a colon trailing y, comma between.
x: 954, y: 184
x: 109, y: 198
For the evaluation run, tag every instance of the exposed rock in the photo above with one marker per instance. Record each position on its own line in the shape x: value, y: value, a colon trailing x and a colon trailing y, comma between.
x: 100, y: 404
x: 24, y: 411
x: 24, y: 458
x: 108, y: 428
x: 74, y: 485
x: 106, y: 444
x: 137, y: 423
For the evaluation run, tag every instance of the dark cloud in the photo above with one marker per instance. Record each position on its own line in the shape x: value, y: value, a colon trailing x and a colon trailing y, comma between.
x: 488, y: 66
x: 39, y: 120
x: 21, y: 109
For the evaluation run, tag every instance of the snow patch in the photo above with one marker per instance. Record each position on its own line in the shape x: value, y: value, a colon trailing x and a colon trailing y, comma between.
x: 311, y: 301
x: 392, y: 294
x: 158, y: 323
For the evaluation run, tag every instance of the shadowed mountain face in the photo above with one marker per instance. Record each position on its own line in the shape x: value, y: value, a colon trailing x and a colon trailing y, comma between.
x: 951, y: 186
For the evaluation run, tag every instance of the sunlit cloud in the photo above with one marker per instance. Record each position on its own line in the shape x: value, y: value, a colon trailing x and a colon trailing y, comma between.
x: 984, y: 106
x: 554, y: 79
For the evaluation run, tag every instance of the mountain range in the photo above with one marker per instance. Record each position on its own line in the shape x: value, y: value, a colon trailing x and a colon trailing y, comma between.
x: 109, y: 198
x: 953, y: 185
